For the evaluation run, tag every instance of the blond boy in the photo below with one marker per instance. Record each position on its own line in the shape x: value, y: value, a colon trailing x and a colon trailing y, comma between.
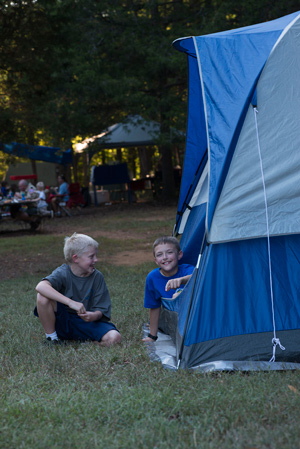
x: 73, y: 302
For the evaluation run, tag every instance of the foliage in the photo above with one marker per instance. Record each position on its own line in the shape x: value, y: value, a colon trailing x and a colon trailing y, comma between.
x: 74, y: 67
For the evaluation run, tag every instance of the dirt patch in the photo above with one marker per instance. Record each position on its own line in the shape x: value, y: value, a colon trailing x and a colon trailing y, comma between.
x: 118, y: 235
x: 126, y: 258
x: 140, y: 253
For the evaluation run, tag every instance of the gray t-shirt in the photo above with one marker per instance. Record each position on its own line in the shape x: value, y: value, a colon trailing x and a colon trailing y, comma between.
x: 91, y: 291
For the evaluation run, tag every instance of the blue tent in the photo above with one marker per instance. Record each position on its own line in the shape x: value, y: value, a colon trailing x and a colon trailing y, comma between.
x: 39, y: 153
x: 239, y: 206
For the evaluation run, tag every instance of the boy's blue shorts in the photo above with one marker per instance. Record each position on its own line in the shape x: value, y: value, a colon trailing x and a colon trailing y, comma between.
x: 70, y: 326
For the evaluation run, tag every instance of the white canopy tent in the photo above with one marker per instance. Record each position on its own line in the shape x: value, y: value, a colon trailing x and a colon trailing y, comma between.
x: 134, y: 131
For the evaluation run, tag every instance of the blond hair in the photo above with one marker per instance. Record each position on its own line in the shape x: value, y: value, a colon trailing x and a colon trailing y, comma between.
x: 40, y: 184
x: 78, y: 244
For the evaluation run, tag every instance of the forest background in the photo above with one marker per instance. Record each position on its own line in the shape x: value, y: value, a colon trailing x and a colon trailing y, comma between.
x: 71, y: 68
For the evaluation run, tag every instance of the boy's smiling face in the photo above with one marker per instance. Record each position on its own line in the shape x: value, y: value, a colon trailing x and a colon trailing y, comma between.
x: 166, y: 257
x: 84, y: 265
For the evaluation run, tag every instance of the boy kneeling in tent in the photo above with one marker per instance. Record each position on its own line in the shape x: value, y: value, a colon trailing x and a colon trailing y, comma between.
x: 162, y: 281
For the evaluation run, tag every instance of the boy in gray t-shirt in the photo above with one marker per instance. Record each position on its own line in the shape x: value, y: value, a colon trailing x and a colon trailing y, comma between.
x: 73, y: 302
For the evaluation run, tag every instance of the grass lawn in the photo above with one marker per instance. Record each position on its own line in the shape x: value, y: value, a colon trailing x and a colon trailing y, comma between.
x: 84, y: 396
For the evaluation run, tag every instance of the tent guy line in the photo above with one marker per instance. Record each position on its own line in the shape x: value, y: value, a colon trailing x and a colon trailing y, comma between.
x: 275, y: 340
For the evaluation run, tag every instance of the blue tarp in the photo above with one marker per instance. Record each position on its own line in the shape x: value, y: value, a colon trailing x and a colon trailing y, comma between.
x: 39, y: 153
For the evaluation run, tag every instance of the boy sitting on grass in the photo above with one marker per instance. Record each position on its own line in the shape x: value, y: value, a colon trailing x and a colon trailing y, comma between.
x: 162, y: 280
x: 73, y: 302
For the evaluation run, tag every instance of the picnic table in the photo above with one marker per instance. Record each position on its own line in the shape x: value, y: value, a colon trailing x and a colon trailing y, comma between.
x: 13, y: 202
x: 7, y: 207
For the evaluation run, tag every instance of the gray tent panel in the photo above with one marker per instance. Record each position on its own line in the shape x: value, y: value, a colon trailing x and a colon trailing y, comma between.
x: 240, y: 212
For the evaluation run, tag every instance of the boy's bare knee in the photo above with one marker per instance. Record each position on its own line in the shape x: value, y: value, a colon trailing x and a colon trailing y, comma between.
x: 43, y: 301
x: 111, y: 338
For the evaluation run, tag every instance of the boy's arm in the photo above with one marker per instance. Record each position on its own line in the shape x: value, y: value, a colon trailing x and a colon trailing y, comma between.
x: 176, y: 283
x: 45, y: 288
x: 154, y: 317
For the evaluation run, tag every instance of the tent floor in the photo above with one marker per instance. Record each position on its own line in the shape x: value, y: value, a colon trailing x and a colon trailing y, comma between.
x: 164, y: 351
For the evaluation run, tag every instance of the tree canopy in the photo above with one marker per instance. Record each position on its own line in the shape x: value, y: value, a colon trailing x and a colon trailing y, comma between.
x: 74, y: 67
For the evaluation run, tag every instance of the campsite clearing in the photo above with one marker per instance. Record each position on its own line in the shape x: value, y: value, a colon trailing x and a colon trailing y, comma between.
x: 122, y: 224
x: 81, y: 395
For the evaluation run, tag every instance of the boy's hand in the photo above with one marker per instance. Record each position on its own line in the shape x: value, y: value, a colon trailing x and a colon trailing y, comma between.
x: 87, y: 316
x: 173, y: 284
x: 90, y: 316
x: 77, y: 306
x: 176, y: 294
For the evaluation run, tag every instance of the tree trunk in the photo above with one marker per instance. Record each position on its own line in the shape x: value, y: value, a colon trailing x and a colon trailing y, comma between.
x: 103, y: 154
x: 145, y: 161
x: 75, y: 165
x: 34, y: 170
x: 119, y: 155
x: 131, y: 162
x: 168, y: 183
x: 86, y: 166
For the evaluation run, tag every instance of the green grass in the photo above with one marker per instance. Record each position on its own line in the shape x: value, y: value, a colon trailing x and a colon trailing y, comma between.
x: 83, y: 396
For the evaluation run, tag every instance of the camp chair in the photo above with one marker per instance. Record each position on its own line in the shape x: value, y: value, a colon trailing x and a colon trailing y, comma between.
x: 76, y: 199
x: 62, y: 205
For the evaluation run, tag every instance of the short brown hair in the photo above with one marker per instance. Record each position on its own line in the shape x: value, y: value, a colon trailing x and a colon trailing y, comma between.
x: 166, y: 239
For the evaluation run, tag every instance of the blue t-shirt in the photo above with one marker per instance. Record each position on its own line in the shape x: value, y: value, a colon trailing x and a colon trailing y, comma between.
x: 156, y: 283
x: 64, y: 190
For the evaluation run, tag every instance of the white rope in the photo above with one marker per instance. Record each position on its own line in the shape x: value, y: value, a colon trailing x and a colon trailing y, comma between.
x: 275, y: 340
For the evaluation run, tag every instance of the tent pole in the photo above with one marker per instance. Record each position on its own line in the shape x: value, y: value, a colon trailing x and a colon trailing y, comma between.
x: 188, y: 193
x: 186, y: 321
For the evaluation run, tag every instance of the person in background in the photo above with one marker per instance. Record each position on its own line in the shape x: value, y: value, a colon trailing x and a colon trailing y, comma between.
x: 29, y: 214
x: 61, y: 196
x: 13, y: 190
x: 42, y: 206
x: 4, y: 189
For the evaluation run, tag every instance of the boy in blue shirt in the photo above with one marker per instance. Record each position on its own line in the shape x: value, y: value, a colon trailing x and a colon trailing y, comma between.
x: 73, y: 302
x: 162, y: 281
